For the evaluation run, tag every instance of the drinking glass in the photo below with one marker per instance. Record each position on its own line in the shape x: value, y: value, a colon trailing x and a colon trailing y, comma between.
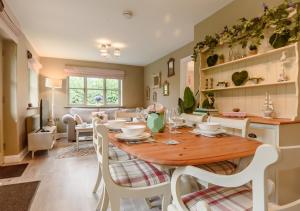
x: 176, y: 120
x: 169, y: 121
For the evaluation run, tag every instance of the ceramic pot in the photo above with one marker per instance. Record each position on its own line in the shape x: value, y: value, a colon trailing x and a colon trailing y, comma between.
x: 155, y: 122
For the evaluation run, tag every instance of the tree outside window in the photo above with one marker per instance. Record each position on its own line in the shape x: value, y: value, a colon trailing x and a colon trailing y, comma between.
x: 90, y: 91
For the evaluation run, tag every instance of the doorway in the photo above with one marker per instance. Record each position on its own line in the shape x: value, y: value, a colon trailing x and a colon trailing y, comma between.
x: 1, y: 106
x: 187, y: 77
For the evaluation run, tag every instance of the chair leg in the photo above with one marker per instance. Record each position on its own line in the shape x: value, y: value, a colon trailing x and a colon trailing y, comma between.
x: 101, y: 196
x: 166, y: 201
x: 105, y: 200
x: 99, y: 179
x: 115, y: 202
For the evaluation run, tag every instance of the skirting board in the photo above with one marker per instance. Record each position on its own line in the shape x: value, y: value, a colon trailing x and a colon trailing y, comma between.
x: 16, y: 158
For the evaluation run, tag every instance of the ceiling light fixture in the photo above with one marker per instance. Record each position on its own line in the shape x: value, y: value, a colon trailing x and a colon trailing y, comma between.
x: 107, y: 50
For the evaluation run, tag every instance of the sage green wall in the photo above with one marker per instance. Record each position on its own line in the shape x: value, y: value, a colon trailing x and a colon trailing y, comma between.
x: 16, y: 94
x: 133, y: 94
x: 227, y: 16
x: 161, y: 66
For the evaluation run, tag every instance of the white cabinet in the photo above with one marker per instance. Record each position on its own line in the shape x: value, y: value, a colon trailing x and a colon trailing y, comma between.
x: 287, y: 182
x: 38, y: 140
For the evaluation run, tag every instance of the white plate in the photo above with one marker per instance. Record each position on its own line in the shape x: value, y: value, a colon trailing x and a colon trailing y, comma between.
x: 122, y: 136
x: 111, y: 127
x: 209, y: 133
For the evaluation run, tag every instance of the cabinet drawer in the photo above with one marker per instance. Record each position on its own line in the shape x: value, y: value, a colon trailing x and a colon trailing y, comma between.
x: 265, y: 134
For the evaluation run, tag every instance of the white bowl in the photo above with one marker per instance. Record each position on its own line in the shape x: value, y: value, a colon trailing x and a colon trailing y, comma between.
x: 133, y: 130
x: 119, y: 123
x: 209, y: 126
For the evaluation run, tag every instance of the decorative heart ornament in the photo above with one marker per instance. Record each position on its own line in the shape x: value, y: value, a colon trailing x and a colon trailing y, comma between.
x: 239, y: 78
x: 212, y: 60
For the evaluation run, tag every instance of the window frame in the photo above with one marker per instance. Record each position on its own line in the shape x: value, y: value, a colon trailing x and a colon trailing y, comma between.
x: 33, y: 89
x: 85, y: 89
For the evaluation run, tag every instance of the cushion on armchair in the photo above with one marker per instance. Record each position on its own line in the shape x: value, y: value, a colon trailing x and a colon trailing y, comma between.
x: 67, y: 118
x: 78, y: 119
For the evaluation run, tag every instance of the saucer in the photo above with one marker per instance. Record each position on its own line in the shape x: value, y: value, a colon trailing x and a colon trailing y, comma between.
x: 122, y: 136
x: 208, y: 133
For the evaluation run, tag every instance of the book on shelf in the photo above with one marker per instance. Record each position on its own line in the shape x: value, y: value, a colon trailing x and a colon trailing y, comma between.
x: 204, y: 111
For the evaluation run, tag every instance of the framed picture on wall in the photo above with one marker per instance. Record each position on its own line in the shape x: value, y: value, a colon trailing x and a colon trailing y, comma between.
x: 148, y: 93
x: 171, y: 67
x: 166, y: 88
x: 157, y: 80
x: 154, y: 97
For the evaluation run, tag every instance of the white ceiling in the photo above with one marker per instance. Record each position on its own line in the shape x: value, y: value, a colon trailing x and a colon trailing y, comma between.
x: 71, y: 28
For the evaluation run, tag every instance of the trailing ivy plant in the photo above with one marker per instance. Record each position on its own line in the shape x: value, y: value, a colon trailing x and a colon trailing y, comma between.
x: 284, y: 20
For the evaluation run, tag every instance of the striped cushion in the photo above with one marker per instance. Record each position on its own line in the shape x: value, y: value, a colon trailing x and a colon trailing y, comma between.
x: 221, y: 199
x: 223, y: 167
x: 137, y: 173
x: 118, y: 155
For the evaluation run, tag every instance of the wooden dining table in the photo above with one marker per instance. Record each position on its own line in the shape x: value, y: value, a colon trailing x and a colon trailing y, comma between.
x: 191, y: 150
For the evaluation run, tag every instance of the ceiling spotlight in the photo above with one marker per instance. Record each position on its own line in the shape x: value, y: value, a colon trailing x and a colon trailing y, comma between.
x: 128, y: 14
x: 117, y: 52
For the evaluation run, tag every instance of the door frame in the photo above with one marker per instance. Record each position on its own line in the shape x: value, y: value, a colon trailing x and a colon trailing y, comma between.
x: 183, y: 70
x: 5, y: 33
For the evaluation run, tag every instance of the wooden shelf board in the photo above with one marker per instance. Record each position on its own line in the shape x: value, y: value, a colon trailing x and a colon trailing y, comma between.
x: 249, y: 57
x: 248, y: 86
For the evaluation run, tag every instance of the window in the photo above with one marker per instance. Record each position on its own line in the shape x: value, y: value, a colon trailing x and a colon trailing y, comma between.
x: 33, y: 87
x: 91, y: 91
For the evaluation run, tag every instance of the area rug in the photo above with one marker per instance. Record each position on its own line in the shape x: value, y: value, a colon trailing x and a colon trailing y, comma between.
x: 12, y: 170
x: 85, y: 148
x: 17, y: 197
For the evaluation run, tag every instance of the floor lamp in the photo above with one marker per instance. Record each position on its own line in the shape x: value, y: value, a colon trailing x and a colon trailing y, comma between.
x: 53, y: 84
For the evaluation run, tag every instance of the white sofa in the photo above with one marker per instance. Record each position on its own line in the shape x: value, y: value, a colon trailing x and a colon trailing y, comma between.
x: 86, y: 116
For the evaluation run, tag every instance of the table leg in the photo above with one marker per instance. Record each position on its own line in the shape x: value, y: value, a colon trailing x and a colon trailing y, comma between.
x: 77, y: 140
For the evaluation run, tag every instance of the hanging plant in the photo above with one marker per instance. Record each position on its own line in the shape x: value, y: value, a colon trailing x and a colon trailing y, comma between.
x: 284, y: 20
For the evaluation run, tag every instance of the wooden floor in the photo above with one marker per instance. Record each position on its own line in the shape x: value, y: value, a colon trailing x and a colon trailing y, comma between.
x: 67, y: 183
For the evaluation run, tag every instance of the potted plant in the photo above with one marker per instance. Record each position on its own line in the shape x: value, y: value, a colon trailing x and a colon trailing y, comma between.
x: 253, y: 49
x: 221, y: 58
x: 188, y: 103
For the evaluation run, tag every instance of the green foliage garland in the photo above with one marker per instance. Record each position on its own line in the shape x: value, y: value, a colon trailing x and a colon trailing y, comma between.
x: 283, y: 19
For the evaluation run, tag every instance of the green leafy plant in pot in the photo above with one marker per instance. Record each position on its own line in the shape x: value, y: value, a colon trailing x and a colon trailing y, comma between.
x: 253, y: 49
x: 209, y: 102
x: 188, y: 103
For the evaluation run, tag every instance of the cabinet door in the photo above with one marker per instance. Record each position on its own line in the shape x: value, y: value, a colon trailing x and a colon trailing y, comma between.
x: 264, y: 133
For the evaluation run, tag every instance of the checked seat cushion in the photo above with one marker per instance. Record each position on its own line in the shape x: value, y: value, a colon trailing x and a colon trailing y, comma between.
x: 221, y: 199
x: 118, y: 155
x: 137, y: 173
x: 223, y: 167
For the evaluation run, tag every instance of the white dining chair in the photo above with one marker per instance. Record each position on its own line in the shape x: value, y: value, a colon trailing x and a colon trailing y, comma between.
x: 115, y: 154
x: 226, y: 167
x: 235, y: 126
x: 234, y: 192
x: 192, y: 120
x: 134, y: 178
x: 126, y: 115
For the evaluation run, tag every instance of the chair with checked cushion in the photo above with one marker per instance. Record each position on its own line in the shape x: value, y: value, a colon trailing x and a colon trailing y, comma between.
x: 234, y: 192
x: 115, y: 155
x: 238, y: 127
x: 133, y: 178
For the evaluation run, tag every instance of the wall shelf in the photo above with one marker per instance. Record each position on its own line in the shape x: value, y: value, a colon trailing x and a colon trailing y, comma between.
x: 249, y: 86
x: 249, y: 57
